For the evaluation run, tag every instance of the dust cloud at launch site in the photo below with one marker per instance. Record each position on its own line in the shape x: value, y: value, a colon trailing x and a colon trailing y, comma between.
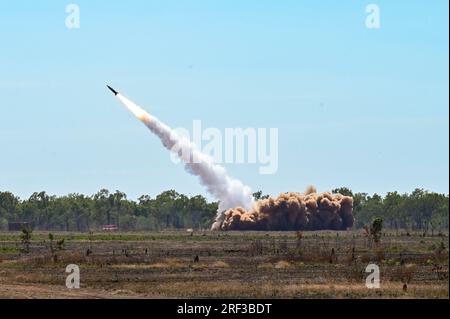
x: 237, y: 208
x: 294, y: 211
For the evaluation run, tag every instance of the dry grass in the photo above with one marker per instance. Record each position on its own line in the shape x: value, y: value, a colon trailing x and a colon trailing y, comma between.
x: 234, y: 265
x: 282, y: 264
x: 265, y: 266
x: 220, y: 264
x: 272, y: 289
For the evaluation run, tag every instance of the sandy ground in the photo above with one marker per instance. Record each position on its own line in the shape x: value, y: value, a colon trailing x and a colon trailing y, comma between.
x: 42, y: 291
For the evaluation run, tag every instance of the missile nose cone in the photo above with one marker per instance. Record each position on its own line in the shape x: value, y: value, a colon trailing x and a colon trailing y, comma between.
x: 112, y: 90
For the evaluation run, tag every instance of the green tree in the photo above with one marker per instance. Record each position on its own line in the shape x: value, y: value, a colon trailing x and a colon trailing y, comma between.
x: 8, y: 208
x: 26, y: 238
x: 102, y: 207
x: 343, y: 190
x: 393, y: 206
x: 259, y: 195
x: 375, y: 229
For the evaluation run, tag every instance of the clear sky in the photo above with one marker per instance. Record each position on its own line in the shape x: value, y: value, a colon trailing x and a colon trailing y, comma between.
x: 357, y: 107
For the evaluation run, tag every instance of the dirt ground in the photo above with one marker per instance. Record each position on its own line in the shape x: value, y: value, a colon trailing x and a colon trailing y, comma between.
x: 178, y: 264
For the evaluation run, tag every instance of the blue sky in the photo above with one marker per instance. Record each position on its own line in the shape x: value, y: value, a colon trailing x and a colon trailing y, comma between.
x: 357, y: 107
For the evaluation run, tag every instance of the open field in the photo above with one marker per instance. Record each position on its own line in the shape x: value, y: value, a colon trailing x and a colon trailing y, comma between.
x: 177, y: 264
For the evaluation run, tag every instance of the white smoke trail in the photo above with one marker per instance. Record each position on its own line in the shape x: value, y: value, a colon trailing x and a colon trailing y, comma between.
x: 230, y: 192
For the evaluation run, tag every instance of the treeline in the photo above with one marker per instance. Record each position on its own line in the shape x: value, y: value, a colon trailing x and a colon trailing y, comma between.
x: 419, y: 210
x: 76, y: 212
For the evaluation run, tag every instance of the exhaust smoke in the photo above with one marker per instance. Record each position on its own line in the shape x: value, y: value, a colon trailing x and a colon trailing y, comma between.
x: 229, y: 191
x: 237, y: 208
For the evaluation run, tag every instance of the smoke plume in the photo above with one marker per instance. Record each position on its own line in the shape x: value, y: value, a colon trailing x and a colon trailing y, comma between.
x: 294, y: 211
x: 237, y: 208
x: 230, y: 192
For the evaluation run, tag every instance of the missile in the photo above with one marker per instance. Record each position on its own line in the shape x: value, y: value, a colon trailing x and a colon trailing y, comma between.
x: 112, y: 90
x: 135, y: 109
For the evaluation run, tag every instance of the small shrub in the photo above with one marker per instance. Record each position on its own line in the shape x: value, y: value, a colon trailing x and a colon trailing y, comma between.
x: 25, y: 238
x: 256, y: 248
x: 60, y: 244
x: 375, y: 229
